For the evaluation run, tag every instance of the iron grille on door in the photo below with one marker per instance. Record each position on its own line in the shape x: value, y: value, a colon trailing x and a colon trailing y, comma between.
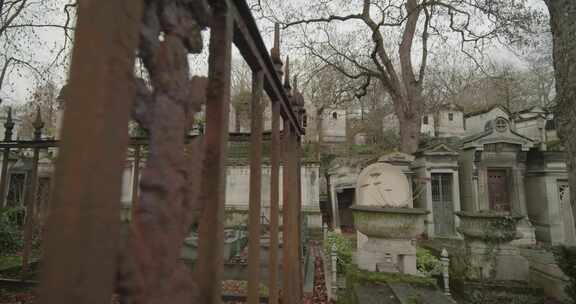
x: 498, y: 189
x: 16, y: 188
x: 442, y: 203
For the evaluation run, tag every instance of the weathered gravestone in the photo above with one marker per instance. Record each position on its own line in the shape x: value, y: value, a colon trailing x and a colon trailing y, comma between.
x: 384, y: 214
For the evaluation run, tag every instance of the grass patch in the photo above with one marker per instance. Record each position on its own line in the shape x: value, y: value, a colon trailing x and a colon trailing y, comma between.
x: 356, y: 277
x: 10, y: 261
x: 11, y: 267
x: 354, y: 274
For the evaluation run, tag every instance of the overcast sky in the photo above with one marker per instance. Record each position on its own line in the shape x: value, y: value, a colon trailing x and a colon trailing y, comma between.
x: 20, y: 85
x: 38, y: 47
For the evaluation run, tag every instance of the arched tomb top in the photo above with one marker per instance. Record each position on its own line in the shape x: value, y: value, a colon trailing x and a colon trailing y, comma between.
x: 384, y: 185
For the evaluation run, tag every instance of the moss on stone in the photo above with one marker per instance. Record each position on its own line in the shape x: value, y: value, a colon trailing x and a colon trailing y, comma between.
x: 10, y: 261
x: 354, y: 274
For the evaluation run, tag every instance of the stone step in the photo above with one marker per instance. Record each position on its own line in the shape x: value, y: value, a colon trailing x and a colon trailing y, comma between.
x: 398, y: 293
x: 408, y: 294
x: 510, y: 292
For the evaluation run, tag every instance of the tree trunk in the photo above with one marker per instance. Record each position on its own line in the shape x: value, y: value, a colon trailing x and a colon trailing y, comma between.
x: 563, y: 25
x: 3, y: 71
x: 320, y: 141
x: 409, y: 124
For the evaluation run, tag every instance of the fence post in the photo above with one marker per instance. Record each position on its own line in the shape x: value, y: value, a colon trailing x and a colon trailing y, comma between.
x: 8, y: 126
x: 31, y: 196
x: 80, y: 247
x: 255, y: 191
x: 276, y: 154
x: 211, y: 228
x: 274, y: 202
x: 135, y: 184
x: 334, y: 278
x: 445, y: 260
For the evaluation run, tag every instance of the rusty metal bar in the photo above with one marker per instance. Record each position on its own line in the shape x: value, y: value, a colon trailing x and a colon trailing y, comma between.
x: 255, y: 188
x: 8, y: 127
x: 134, y: 141
x: 135, y: 183
x: 31, y: 196
x: 211, y: 229
x: 294, y: 250
x: 4, y: 176
x: 286, y: 286
x: 30, y: 203
x: 274, y: 202
x: 290, y: 237
x: 298, y: 211
x: 83, y: 229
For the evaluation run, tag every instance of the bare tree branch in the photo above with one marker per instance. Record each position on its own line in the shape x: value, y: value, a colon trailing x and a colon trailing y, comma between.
x: 425, y: 34
x: 11, y: 18
x: 13, y: 26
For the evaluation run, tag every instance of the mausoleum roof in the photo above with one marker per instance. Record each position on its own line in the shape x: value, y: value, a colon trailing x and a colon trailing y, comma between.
x: 498, y: 131
x: 487, y: 109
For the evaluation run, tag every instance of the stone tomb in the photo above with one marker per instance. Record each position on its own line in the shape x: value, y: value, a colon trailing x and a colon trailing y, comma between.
x: 386, y: 219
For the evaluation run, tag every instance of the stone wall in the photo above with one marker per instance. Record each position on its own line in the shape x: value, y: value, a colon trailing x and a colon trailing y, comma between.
x: 447, y: 127
x: 334, y: 126
x: 467, y: 185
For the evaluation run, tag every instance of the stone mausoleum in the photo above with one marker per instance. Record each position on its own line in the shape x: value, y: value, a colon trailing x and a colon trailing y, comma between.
x: 487, y: 161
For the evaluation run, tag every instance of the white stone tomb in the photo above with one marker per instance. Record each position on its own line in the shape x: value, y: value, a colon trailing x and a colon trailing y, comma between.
x: 384, y: 214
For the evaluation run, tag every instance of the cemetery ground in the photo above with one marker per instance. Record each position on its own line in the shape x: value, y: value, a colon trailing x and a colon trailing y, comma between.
x: 352, y: 284
x: 18, y: 288
x: 360, y: 286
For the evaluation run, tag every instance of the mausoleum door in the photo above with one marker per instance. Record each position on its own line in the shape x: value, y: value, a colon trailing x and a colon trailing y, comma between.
x: 442, y: 204
x: 567, y: 214
x: 498, y: 190
x: 345, y: 200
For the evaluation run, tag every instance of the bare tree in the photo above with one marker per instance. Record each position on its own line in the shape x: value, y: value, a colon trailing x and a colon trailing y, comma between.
x: 241, y: 92
x: 22, y: 23
x: 45, y: 99
x: 391, y: 41
x: 326, y: 89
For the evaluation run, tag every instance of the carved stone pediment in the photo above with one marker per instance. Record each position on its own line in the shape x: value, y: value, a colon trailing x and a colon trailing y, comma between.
x: 396, y: 157
x: 440, y: 149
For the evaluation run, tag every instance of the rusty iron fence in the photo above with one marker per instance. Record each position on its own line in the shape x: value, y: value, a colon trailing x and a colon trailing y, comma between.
x: 86, y: 257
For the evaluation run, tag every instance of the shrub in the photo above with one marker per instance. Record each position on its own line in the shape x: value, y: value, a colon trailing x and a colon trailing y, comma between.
x: 10, y: 232
x: 354, y: 274
x: 343, y: 249
x: 566, y: 258
x: 426, y: 263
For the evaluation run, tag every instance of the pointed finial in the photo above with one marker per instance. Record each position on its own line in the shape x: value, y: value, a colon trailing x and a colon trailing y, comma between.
x: 297, y: 97
x: 38, y: 125
x: 9, y: 116
x: 275, y: 52
x: 8, y: 126
x: 287, y: 85
x: 277, y: 35
x: 295, y: 81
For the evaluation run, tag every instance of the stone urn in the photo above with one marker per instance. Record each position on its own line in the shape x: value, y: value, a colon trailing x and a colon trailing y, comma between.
x: 389, y: 222
x: 488, y: 236
x: 489, y: 226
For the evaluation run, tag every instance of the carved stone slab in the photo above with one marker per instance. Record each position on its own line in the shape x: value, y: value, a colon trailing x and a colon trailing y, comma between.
x: 382, y: 184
